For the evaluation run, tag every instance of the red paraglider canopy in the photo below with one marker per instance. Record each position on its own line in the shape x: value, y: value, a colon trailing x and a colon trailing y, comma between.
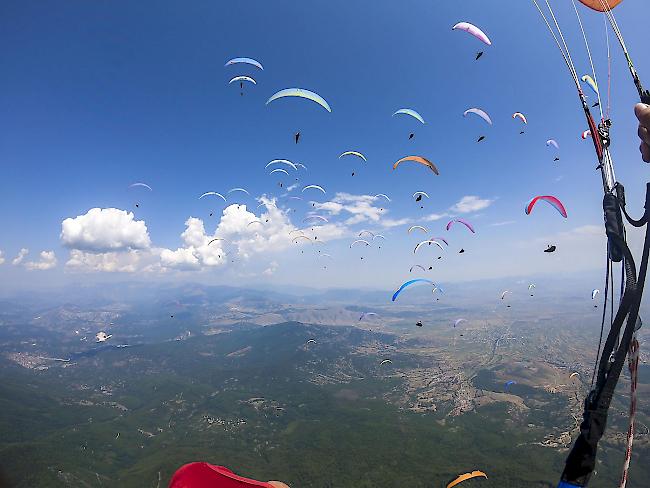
x: 601, y: 5
x: 204, y: 475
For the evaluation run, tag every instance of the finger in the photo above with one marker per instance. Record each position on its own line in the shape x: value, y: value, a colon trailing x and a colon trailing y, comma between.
x: 642, y: 112
x: 645, y: 152
x: 644, y: 134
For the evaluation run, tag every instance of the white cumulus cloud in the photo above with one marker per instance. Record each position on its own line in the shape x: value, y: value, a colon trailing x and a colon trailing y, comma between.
x: 197, y: 250
x: 109, y: 262
x: 181, y: 258
x: 389, y: 223
x: 48, y: 261
x: 360, y: 208
x: 434, y: 216
x: 103, y: 230
x: 273, y: 267
x: 252, y: 234
x: 20, y: 257
x: 471, y: 203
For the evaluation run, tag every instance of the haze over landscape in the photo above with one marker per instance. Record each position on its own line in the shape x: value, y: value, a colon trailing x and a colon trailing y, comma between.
x: 195, y: 269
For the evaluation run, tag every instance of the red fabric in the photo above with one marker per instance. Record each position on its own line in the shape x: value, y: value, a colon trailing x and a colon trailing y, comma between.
x: 204, y: 475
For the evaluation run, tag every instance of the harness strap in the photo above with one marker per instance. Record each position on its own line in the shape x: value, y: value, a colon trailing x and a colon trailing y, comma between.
x: 633, y: 364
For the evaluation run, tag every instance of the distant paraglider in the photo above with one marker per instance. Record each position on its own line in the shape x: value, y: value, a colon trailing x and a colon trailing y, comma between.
x: 367, y: 314
x: 411, y: 112
x: 282, y: 161
x: 359, y: 241
x: 300, y: 93
x: 418, y: 159
x: 214, y: 193
x: 409, y: 283
x: 553, y: 142
x: 461, y: 221
x: 550, y: 248
x: 354, y: 153
x: 102, y: 336
x: 429, y: 242
x: 591, y: 83
x: 480, y: 113
x: 473, y: 30
x: 241, y: 79
x: 551, y: 200
x: 520, y: 116
x: 250, y: 61
x: 466, y: 476
x: 143, y: 185
x: 316, y: 187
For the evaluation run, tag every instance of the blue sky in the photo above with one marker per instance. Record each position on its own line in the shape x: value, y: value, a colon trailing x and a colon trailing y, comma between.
x: 98, y: 95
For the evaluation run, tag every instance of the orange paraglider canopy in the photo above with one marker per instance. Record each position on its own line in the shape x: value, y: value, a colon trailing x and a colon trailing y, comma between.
x: 466, y: 476
x: 418, y: 159
x: 601, y: 5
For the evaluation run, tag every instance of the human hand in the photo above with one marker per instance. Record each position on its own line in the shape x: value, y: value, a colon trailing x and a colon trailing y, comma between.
x: 642, y: 112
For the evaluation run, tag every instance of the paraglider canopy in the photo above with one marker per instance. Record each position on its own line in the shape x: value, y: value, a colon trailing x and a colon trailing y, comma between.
x: 418, y: 159
x: 204, y: 474
x: 301, y: 93
x: 102, y: 336
x: 591, y: 82
x: 477, y: 111
x: 353, y: 153
x: 553, y: 142
x: 143, y: 185
x: 551, y: 200
x: 411, y: 112
x: 601, y: 5
x: 520, y: 116
x: 461, y: 221
x: 466, y: 476
x: 250, y: 61
x: 409, y: 283
x: 243, y: 78
x: 473, y: 30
